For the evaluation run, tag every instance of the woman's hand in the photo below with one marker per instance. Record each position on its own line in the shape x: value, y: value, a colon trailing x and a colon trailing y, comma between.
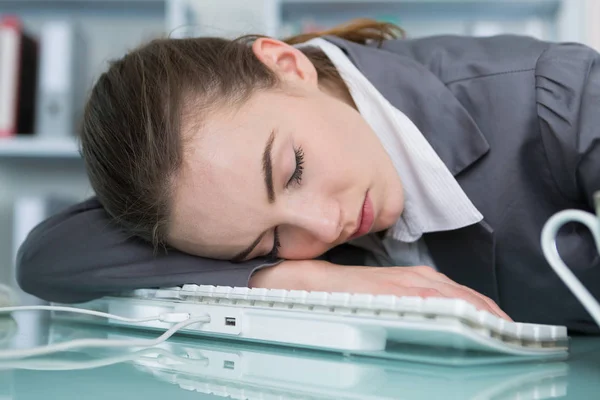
x: 316, y: 275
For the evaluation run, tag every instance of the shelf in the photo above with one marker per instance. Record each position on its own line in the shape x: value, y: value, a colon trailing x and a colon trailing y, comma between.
x: 498, y: 3
x: 54, y: 3
x: 85, y: 7
x: 40, y: 148
x: 407, y: 9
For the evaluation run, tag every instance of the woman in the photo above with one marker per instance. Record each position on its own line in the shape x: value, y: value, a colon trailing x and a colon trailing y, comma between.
x: 301, y: 164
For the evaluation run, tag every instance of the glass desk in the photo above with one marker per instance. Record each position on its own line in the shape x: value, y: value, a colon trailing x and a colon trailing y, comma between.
x: 193, y: 368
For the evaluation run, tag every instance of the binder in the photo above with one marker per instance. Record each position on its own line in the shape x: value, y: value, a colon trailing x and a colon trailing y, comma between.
x: 18, y: 78
x: 9, y: 44
x: 56, y: 116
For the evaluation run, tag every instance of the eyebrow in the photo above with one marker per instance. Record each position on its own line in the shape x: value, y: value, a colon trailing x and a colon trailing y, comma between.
x: 267, y: 163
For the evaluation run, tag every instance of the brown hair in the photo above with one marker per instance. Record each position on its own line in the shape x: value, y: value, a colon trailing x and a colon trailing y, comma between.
x: 131, y: 132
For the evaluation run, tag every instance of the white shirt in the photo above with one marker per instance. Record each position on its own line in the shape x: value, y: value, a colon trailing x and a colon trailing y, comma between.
x: 433, y: 199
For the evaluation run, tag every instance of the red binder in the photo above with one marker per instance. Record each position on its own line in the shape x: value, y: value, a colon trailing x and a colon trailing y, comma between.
x: 18, y: 78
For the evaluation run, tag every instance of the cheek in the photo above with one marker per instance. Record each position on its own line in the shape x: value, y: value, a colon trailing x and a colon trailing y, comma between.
x: 344, y: 139
x: 297, y: 244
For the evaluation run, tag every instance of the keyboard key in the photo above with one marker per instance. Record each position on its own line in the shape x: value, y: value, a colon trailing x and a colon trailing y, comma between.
x: 470, y: 313
x: 525, y: 331
x: 172, y: 288
x: 317, y: 298
x: 409, y: 304
x: 277, y: 295
x: 486, y: 320
x: 439, y: 306
x: 361, y: 300
x: 240, y: 293
x: 167, y: 294
x: 507, y: 328
x: 190, y: 288
x: 222, y: 291
x: 541, y: 333
x: 384, y: 302
x: 340, y: 299
x: 298, y: 296
x: 558, y: 332
x: 258, y: 294
x: 206, y: 290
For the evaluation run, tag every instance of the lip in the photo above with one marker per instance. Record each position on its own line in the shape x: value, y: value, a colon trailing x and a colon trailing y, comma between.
x: 365, y: 218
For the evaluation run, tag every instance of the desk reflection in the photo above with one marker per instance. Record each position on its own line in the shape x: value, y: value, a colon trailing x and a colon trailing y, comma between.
x: 186, y: 366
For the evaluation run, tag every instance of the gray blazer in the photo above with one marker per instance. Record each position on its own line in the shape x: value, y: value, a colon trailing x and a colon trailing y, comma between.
x: 514, y: 119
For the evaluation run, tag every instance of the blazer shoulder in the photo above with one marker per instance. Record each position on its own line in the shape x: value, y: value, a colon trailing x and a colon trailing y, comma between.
x: 455, y: 58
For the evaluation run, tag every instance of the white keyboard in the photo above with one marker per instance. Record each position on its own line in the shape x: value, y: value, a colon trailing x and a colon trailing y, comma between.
x: 340, y: 321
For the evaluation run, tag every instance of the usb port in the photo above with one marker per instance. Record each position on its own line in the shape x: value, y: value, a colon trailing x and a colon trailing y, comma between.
x: 229, y: 321
x: 229, y: 364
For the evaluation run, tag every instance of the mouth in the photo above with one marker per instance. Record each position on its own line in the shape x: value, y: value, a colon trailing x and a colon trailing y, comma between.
x: 365, y: 218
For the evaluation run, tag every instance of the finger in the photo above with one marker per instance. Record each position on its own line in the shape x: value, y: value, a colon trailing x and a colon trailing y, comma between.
x: 411, y: 278
x: 432, y: 274
x: 457, y: 292
x: 429, y: 273
x: 491, y: 303
x: 425, y: 277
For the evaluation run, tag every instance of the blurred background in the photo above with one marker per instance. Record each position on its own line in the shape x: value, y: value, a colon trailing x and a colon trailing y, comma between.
x: 52, y: 51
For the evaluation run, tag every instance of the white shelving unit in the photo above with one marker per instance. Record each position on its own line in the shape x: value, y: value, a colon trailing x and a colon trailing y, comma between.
x: 33, y: 147
x: 548, y: 19
x: 36, y: 171
x: 560, y: 20
x: 109, y: 27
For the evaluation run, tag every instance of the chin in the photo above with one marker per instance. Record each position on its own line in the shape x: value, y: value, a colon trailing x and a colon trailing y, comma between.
x: 389, y: 216
x: 382, y: 224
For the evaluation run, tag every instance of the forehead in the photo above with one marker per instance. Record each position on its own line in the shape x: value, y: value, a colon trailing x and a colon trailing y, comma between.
x: 219, y: 197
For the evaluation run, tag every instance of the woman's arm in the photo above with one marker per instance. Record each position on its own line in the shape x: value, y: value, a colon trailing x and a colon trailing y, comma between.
x: 80, y: 254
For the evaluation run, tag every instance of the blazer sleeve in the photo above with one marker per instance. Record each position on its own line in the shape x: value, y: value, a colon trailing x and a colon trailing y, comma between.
x: 568, y: 107
x: 80, y: 255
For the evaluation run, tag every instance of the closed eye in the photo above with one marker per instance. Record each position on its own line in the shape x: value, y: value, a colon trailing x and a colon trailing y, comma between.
x: 297, y: 175
x: 276, y: 245
x: 296, y: 178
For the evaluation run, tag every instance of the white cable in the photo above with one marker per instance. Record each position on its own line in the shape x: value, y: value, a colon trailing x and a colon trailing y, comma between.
x: 183, y: 319
x: 4, y: 310
x: 57, y: 365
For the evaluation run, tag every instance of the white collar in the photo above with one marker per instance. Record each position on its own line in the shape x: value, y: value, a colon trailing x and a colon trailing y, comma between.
x: 434, y: 201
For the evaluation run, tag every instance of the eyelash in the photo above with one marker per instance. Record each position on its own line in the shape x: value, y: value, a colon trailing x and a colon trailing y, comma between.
x: 297, y: 175
x: 276, y: 245
x: 297, y: 178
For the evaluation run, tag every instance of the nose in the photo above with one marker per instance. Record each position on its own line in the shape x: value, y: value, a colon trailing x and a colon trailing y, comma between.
x: 321, y: 218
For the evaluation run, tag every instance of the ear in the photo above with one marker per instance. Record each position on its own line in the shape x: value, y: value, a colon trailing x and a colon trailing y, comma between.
x: 289, y: 63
